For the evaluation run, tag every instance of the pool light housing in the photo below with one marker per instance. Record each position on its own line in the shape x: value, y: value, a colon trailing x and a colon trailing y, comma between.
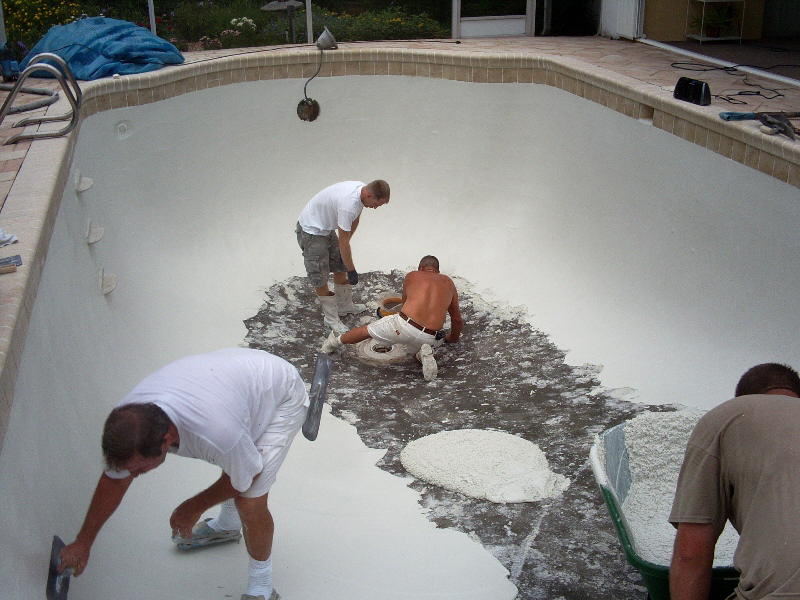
x: 326, y: 41
x: 308, y: 108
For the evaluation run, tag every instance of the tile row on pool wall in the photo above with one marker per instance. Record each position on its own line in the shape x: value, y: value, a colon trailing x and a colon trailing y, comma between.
x: 741, y: 141
x: 33, y: 202
x: 30, y: 212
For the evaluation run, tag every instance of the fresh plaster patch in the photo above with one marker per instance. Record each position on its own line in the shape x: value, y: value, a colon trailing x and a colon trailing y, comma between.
x: 493, y: 465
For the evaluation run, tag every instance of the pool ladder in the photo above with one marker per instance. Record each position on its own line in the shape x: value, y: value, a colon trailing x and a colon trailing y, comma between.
x: 72, y: 93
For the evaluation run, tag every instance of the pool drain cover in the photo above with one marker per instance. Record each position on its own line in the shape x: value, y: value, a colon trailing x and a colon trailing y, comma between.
x: 375, y: 353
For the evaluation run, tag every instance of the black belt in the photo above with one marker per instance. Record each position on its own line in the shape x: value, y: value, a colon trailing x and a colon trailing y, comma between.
x: 436, y: 333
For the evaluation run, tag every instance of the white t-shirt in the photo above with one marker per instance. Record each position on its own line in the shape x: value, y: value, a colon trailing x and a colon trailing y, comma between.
x: 338, y: 205
x: 221, y: 403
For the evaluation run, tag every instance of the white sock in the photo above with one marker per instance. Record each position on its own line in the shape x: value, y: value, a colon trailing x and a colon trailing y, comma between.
x: 259, y: 582
x: 228, y: 518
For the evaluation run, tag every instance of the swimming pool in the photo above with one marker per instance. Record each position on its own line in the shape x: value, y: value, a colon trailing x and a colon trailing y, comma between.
x: 631, y: 248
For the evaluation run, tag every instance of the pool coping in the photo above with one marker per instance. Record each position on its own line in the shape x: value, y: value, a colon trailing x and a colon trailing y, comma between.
x: 32, y: 203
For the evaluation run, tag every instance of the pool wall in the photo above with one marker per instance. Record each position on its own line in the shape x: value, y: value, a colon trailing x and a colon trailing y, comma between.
x: 33, y: 202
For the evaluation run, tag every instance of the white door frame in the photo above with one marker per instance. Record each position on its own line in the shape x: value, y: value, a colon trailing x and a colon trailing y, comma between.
x: 493, y: 26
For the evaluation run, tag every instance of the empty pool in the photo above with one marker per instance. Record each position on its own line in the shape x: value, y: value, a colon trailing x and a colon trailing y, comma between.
x: 671, y: 267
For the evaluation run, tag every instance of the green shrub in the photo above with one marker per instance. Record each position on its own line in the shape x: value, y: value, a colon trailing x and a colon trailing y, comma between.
x: 440, y: 10
x: 213, y: 25
x: 28, y: 20
x: 387, y: 24
x: 193, y: 20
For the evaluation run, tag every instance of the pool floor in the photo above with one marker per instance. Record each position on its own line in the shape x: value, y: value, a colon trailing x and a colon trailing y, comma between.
x: 503, y: 375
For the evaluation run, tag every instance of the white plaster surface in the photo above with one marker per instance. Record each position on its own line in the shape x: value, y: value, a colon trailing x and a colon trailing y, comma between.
x: 674, y: 268
x: 494, y: 465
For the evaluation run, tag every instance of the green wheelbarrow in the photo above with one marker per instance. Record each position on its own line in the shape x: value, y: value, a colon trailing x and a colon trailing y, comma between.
x: 609, y: 459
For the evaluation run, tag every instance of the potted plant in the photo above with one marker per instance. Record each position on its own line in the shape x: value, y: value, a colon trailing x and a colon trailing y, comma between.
x: 716, y: 20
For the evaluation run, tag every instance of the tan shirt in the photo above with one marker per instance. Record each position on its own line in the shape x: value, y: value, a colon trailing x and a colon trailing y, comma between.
x: 742, y: 463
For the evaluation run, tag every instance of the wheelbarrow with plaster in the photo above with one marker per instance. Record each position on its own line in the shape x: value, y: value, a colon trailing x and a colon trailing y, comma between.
x: 610, y: 465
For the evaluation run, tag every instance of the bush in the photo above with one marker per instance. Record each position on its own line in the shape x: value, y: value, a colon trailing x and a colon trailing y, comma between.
x: 28, y: 20
x: 224, y: 23
x: 213, y: 25
x: 387, y: 24
x: 439, y: 10
x: 193, y: 20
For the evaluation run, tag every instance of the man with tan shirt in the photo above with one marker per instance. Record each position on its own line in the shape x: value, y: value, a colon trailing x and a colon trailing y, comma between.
x: 741, y: 464
x: 428, y: 297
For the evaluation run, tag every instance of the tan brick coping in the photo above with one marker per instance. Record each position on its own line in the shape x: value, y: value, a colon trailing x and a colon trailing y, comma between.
x: 33, y: 202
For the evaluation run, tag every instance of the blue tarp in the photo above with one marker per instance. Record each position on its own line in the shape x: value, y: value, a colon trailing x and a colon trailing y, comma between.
x: 98, y: 47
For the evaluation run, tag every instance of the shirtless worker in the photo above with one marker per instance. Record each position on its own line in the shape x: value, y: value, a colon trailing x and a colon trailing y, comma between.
x: 428, y: 296
x: 236, y: 408
x: 324, y: 229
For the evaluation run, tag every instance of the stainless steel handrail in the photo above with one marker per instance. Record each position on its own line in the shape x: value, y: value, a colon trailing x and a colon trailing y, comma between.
x: 73, y: 95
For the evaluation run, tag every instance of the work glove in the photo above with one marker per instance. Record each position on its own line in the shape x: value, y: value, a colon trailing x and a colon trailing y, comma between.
x: 352, y: 277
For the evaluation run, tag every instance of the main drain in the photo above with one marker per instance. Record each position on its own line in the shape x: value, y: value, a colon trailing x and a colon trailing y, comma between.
x: 375, y: 353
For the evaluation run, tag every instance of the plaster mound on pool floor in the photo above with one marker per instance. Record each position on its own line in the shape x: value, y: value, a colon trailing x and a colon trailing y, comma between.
x: 489, y: 465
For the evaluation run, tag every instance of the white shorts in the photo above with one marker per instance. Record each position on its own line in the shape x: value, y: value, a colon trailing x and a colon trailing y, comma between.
x: 274, y: 443
x: 394, y: 329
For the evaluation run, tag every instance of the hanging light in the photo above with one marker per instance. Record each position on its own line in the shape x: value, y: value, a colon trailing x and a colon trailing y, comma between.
x: 308, y: 108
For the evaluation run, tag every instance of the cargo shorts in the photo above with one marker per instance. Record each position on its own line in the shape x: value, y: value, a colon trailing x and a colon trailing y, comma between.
x: 321, y: 255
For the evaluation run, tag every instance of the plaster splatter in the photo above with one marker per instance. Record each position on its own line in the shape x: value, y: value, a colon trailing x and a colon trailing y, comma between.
x: 504, y: 375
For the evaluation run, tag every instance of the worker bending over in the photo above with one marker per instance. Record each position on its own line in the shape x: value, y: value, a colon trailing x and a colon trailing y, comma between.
x: 236, y: 408
x: 324, y: 229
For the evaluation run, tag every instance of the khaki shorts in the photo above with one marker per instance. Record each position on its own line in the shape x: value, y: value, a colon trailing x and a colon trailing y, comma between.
x: 395, y: 330
x: 320, y: 255
x: 274, y: 443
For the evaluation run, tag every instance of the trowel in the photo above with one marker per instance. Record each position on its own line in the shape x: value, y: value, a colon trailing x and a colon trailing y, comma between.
x: 57, y: 583
x: 319, y: 387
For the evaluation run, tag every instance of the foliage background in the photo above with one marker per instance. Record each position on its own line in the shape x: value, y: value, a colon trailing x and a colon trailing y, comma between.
x: 207, y: 23
x: 190, y: 21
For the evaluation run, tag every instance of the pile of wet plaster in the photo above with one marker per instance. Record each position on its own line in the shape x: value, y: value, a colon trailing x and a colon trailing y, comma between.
x: 656, y: 442
x: 493, y: 465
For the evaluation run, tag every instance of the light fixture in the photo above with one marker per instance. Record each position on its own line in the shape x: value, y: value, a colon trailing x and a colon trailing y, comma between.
x: 308, y: 108
x: 326, y: 41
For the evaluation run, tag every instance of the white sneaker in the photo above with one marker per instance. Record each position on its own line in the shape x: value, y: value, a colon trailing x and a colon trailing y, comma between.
x: 205, y: 535
x: 429, y: 366
x: 352, y: 309
x: 273, y: 596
